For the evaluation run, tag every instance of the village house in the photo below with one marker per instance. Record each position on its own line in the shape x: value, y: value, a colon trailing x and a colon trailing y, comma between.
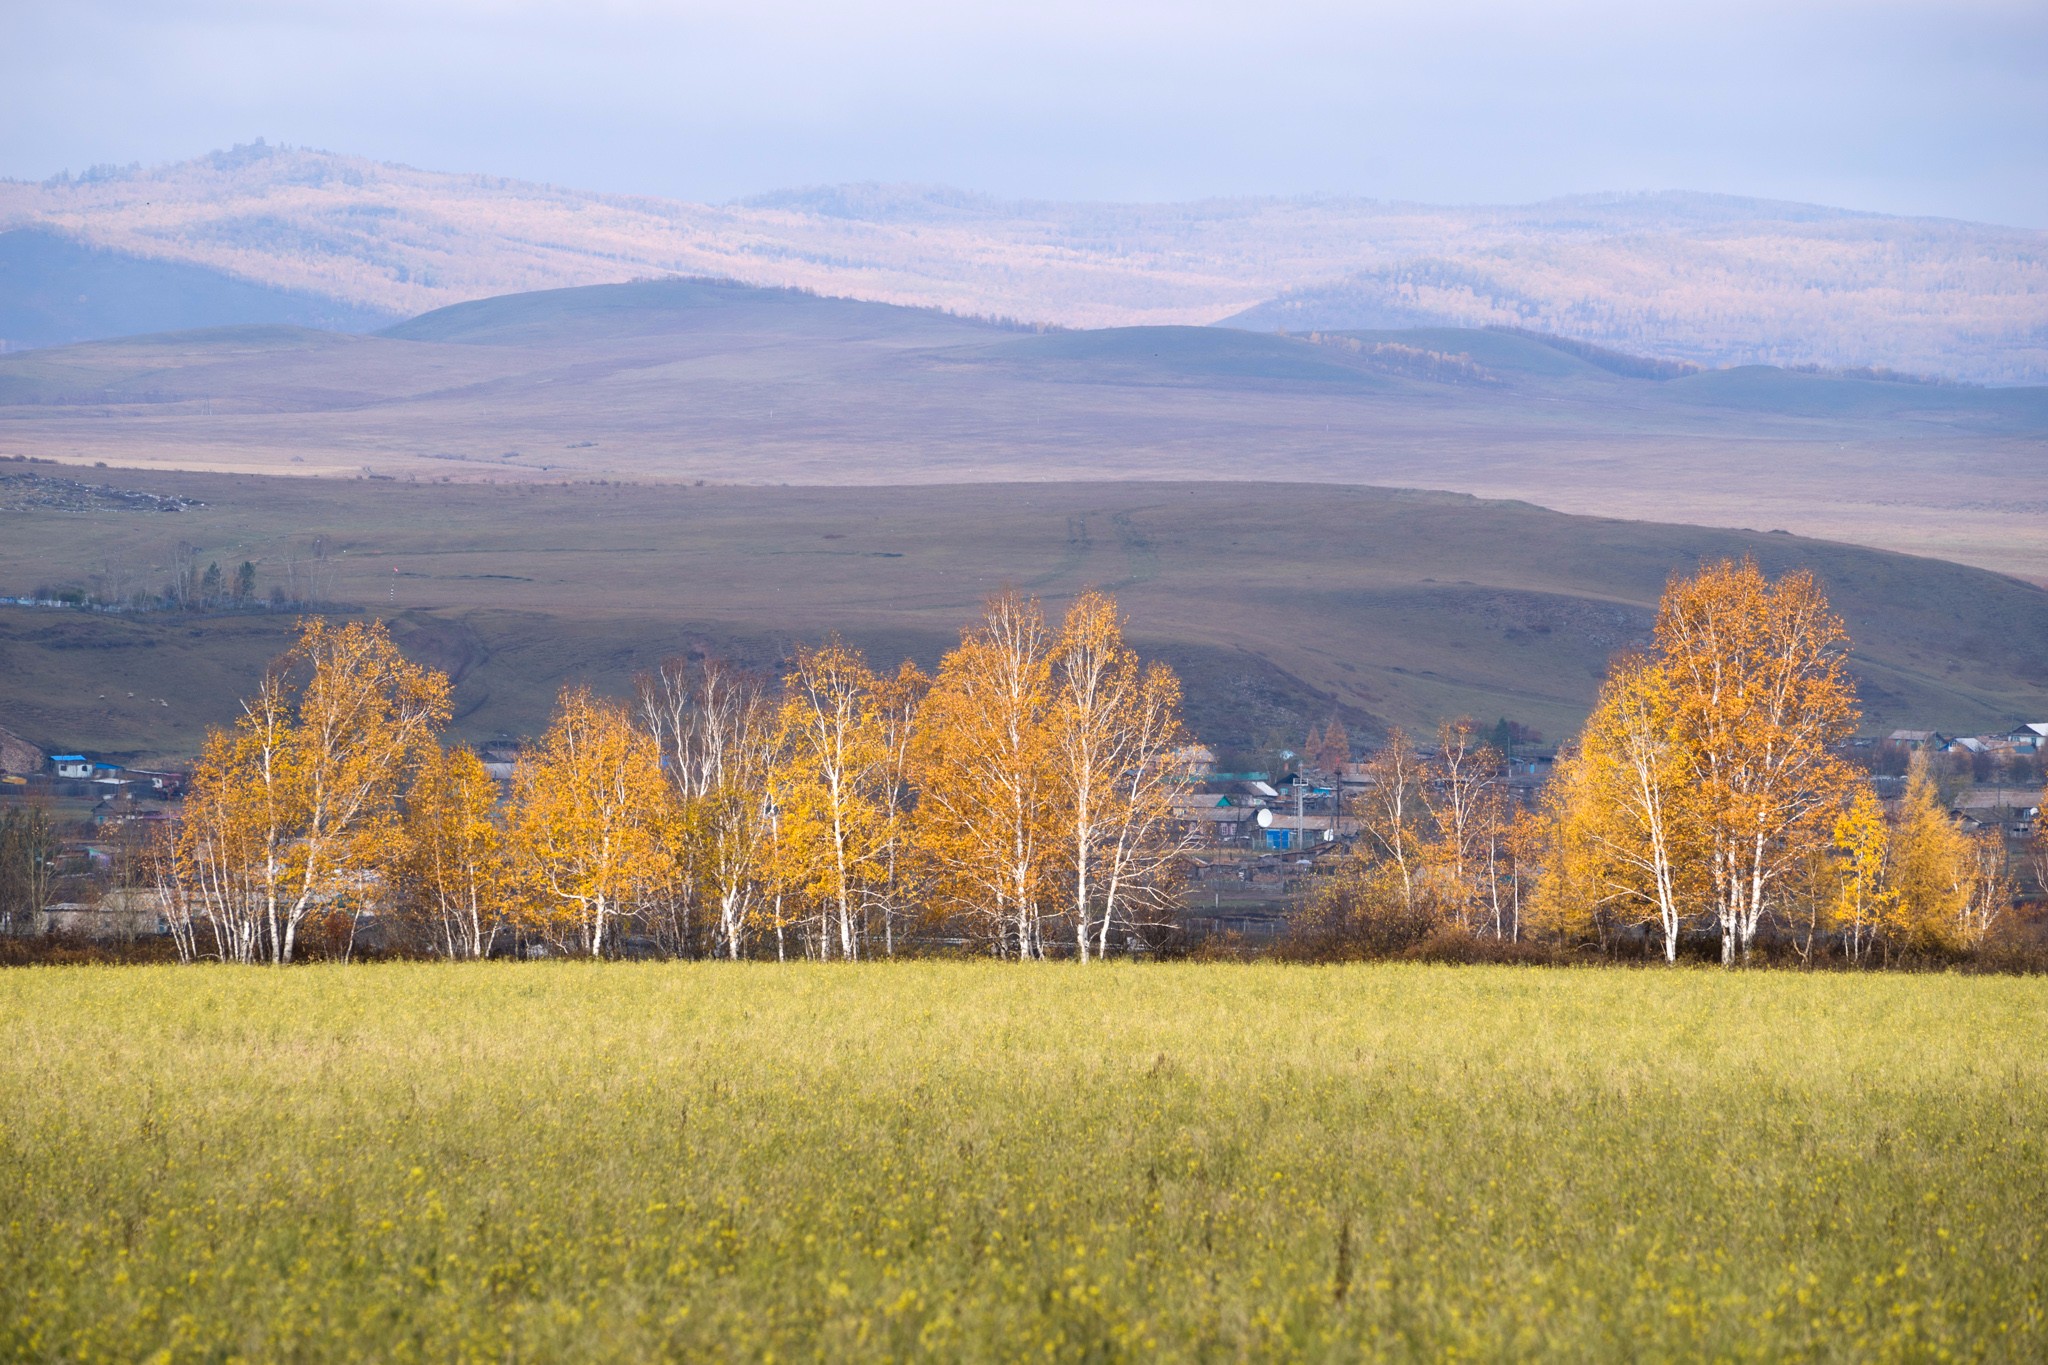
x: 120, y: 913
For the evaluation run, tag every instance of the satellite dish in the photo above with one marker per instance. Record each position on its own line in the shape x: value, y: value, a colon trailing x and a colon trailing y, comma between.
x: 1265, y: 819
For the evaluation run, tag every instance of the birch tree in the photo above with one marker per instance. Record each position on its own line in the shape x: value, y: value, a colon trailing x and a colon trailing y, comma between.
x: 1144, y: 856
x: 289, y: 810
x: 1460, y: 794
x: 28, y: 864
x: 828, y: 784
x: 1865, y: 903
x: 1761, y: 701
x: 897, y: 704
x: 984, y: 773
x: 733, y: 754
x: 449, y: 871
x: 585, y: 821
x: 1114, y: 735
x: 1950, y: 885
x: 715, y: 731
x: 1096, y: 677
x: 1392, y: 812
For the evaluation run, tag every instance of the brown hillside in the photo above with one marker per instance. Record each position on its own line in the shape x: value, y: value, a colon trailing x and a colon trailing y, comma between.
x: 1280, y: 604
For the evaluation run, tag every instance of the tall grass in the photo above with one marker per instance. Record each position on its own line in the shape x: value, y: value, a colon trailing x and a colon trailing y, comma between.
x: 968, y: 1160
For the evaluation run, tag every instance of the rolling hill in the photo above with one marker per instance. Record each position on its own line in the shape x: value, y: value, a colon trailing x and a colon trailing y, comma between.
x: 1715, y: 279
x: 677, y: 381
x: 1280, y: 604
x: 54, y: 290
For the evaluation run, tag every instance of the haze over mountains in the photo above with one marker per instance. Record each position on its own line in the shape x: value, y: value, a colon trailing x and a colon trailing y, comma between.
x: 1710, y: 279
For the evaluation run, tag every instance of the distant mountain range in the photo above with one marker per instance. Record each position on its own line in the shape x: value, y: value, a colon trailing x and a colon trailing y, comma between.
x: 266, y: 234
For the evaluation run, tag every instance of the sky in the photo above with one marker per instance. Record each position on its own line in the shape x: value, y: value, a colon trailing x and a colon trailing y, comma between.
x: 1921, y: 108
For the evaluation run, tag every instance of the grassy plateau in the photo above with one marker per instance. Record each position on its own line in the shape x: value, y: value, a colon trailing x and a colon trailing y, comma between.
x: 974, y: 1161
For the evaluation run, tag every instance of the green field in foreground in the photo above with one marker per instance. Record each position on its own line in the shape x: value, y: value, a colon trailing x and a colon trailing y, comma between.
x: 979, y: 1160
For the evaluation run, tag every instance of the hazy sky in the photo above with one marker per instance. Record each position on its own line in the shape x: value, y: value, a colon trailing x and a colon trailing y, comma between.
x: 1935, y: 108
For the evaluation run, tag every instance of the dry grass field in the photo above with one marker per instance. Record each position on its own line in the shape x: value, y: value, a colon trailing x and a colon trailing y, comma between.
x: 1279, y: 604
x: 680, y: 382
x: 977, y: 1161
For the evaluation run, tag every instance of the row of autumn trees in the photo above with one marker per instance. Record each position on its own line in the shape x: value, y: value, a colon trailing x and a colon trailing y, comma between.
x: 1707, y: 794
x: 1021, y: 799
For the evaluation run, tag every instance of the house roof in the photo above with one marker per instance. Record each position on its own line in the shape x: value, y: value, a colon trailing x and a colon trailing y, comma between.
x: 67, y: 758
x: 2032, y: 727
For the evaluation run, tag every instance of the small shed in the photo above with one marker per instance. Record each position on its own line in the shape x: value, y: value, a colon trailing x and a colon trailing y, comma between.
x: 71, y: 765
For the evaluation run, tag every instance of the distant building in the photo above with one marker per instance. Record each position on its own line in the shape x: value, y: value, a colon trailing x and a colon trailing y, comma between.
x: 166, y: 784
x: 71, y: 765
x: 119, y: 914
x: 1911, y: 740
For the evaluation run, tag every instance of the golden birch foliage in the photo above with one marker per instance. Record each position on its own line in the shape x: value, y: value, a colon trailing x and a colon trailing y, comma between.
x: 1564, y: 902
x: 291, y: 810
x: 1950, y: 884
x: 984, y: 775
x: 1761, y: 700
x: 449, y: 871
x: 1708, y: 774
x: 1865, y: 903
x: 1928, y: 855
x: 586, y: 820
x: 1639, y: 813
x: 828, y: 787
